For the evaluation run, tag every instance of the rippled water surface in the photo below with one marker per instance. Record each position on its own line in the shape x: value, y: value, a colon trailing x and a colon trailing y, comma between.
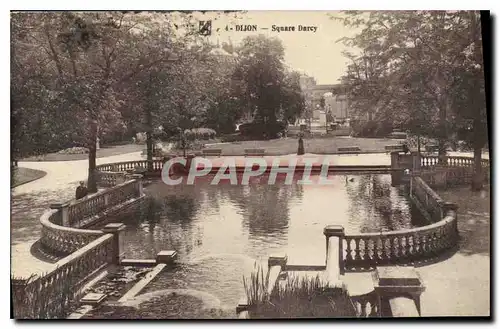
x: 220, y: 231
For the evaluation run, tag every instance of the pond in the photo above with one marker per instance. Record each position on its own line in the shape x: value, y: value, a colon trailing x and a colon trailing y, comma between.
x: 220, y: 232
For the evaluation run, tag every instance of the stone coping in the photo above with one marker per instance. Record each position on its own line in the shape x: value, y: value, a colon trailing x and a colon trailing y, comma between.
x: 45, y: 220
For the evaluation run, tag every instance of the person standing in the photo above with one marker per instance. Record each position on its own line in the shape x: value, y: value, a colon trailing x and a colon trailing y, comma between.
x: 300, y: 150
x: 81, y: 191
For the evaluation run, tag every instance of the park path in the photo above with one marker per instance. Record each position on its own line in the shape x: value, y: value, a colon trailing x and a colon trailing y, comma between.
x: 29, y: 201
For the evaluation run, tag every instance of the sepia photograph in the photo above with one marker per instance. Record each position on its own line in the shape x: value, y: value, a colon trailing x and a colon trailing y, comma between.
x: 241, y: 164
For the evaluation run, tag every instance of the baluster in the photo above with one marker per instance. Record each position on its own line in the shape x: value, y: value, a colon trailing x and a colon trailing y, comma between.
x: 348, y: 256
x: 367, y: 257
x: 396, y: 245
x: 423, y: 244
x: 376, y: 256
x: 374, y: 309
x: 357, y: 251
x: 363, y: 308
x: 415, y: 246
x: 435, y: 246
x: 383, y: 254
x: 407, y: 247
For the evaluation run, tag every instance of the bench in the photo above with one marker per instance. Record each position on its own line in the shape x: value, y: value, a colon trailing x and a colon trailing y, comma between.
x: 432, y: 148
x: 255, y: 152
x: 212, y: 152
x: 349, y: 150
x: 392, y: 148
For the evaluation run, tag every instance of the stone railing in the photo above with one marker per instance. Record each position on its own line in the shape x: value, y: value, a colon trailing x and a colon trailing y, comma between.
x: 367, y: 305
x: 429, y: 202
x: 62, y: 231
x: 109, y: 178
x: 81, y: 210
x: 129, y: 166
x: 368, y: 250
x: 455, y: 171
x: 50, y: 296
x: 64, y: 240
x: 428, y: 161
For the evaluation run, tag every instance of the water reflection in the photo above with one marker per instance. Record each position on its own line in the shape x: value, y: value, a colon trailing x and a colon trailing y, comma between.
x: 383, y: 207
x: 259, y: 219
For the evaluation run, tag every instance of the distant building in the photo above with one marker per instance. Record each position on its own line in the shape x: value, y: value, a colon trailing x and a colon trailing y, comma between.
x: 335, y: 99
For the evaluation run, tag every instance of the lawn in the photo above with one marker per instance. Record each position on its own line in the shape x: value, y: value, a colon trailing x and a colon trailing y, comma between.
x: 25, y: 175
x: 474, y: 217
x: 312, y: 145
x: 105, y: 151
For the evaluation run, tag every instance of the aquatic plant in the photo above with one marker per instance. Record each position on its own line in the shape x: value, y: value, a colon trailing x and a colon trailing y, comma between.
x: 295, y: 297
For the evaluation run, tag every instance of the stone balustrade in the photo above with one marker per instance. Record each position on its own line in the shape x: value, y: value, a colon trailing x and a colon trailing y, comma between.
x: 428, y: 161
x: 49, y: 296
x: 429, y: 202
x: 80, y: 210
x: 64, y: 240
x: 129, y: 166
x: 367, y: 305
x: 62, y: 231
x: 110, y: 178
x: 368, y: 250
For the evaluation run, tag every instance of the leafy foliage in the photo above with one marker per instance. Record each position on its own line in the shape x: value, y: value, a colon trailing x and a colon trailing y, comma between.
x: 421, y: 71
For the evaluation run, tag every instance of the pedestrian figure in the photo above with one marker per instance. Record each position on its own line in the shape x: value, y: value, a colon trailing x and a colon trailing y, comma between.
x: 81, y: 191
x: 300, y: 151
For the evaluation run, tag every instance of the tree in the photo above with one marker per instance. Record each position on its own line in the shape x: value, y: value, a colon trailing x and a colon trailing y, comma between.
x: 85, y: 60
x: 261, y: 71
x: 267, y: 91
x: 292, y: 99
x: 416, y: 68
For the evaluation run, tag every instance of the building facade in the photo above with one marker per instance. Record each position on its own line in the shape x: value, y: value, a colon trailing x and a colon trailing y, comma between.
x: 336, y: 102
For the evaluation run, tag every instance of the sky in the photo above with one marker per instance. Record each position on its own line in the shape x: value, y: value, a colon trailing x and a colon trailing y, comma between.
x: 317, y: 54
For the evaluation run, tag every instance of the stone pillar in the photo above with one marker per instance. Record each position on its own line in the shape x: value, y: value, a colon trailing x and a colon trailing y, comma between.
x: 138, y: 178
x: 116, y: 229
x: 417, y: 161
x: 450, y: 206
x: 63, y: 208
x: 275, y: 264
x: 396, y: 286
x: 395, y: 160
x: 334, y: 235
x: 166, y: 257
x: 121, y: 178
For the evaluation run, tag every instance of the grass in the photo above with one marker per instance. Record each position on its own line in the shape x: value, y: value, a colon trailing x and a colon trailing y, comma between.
x: 474, y: 217
x: 20, y: 175
x: 296, y: 297
x: 101, y: 153
x: 327, y: 145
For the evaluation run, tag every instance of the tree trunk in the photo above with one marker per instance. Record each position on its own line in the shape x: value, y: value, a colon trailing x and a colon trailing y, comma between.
x: 149, y: 139
x: 480, y: 131
x: 92, y: 179
x: 418, y: 144
x: 477, y: 179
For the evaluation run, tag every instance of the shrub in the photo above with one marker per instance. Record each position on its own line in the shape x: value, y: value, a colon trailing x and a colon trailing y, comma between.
x: 74, y: 150
x: 295, y: 298
x: 200, y: 133
x: 263, y: 130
